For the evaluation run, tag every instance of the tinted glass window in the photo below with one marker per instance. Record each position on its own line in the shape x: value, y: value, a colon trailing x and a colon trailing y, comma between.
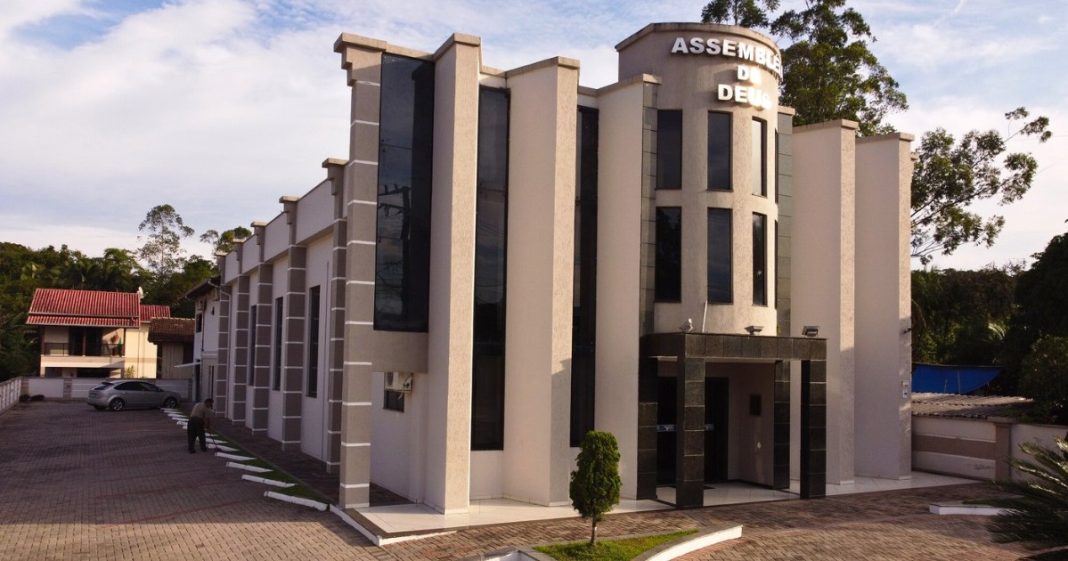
x: 405, y: 157
x: 668, y: 254
x: 669, y: 149
x: 312, y: 372
x: 276, y: 364
x: 760, y: 259
x: 719, y: 256
x: 719, y: 151
x: 129, y: 387
x: 583, y: 325
x: 759, y: 158
x: 491, y: 205
x: 394, y: 401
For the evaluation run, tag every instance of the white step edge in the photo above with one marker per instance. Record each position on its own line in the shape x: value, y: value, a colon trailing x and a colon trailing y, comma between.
x: 253, y: 469
x: 235, y: 457
x: 320, y: 506
x: 265, y: 481
x: 223, y: 447
x: 378, y: 540
x: 958, y: 509
x: 692, y: 543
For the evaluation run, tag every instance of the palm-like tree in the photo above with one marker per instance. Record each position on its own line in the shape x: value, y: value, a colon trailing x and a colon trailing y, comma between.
x: 1038, y: 516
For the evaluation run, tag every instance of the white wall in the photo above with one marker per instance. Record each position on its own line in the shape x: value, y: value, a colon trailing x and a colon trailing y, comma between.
x: 313, y: 410
x: 401, y: 466
x: 315, y: 211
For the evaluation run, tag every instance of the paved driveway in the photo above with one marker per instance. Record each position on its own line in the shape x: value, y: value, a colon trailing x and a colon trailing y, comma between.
x: 80, y: 484
x: 77, y: 484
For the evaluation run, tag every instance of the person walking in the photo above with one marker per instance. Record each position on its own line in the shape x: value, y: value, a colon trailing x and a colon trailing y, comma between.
x: 199, y: 423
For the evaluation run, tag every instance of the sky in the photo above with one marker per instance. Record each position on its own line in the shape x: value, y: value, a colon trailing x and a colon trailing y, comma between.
x: 110, y: 107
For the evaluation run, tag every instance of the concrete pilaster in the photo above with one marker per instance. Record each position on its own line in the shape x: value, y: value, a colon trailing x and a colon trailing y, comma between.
x: 335, y: 324
x: 220, y: 391
x: 293, y: 359
x: 260, y: 352
x: 363, y: 62
x: 541, y: 218
x: 451, y: 311
x: 242, y: 351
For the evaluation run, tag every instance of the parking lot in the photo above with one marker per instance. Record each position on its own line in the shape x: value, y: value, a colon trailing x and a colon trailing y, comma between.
x: 78, y: 484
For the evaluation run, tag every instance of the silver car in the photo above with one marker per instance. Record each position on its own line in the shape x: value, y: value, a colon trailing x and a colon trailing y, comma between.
x: 126, y: 394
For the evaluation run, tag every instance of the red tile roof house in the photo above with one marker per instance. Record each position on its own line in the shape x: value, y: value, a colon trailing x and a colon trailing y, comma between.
x: 93, y: 333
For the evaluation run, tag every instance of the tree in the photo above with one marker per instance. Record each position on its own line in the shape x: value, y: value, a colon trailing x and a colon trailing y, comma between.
x: 828, y: 70
x: 1041, y: 298
x: 960, y: 317
x: 224, y: 241
x: 746, y: 13
x: 1044, y: 377
x: 1038, y: 516
x: 949, y: 176
x: 595, y: 484
x: 164, y: 230
x: 830, y: 73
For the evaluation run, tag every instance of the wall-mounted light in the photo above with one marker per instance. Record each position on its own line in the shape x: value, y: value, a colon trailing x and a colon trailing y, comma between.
x: 754, y: 329
x: 810, y: 330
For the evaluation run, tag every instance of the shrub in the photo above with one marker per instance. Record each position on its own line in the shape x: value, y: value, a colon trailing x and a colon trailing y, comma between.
x: 595, y: 484
x: 1039, y: 516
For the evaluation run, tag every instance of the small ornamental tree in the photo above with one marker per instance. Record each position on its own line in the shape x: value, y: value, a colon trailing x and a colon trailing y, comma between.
x: 595, y: 484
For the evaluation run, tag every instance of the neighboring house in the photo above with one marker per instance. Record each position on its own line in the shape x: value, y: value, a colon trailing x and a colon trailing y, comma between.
x: 205, y: 336
x: 94, y: 333
x: 509, y: 260
x: 173, y: 338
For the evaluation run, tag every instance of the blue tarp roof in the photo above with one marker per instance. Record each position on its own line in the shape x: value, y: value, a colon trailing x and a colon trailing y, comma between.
x: 939, y: 378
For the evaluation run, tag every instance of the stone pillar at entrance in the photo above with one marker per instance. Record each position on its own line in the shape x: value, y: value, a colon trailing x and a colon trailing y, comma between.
x: 690, y: 433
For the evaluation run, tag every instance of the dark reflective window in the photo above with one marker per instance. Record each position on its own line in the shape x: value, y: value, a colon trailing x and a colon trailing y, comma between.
x: 668, y: 254
x: 669, y: 149
x: 720, y: 289
x: 405, y: 157
x: 583, y: 325
x: 759, y: 158
x: 719, y: 151
x: 312, y: 372
x: 276, y: 373
x: 394, y: 401
x: 760, y: 259
x: 491, y: 206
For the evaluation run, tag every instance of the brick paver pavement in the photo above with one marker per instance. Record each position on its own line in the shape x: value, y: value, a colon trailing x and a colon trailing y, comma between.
x: 80, y: 484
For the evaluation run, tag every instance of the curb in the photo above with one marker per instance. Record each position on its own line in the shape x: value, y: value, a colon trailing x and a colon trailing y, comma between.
x: 265, y: 481
x: 378, y: 540
x: 961, y: 509
x: 253, y: 469
x: 322, y: 507
x: 235, y: 457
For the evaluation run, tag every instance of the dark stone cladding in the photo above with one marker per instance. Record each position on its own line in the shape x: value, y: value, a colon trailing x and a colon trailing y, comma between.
x: 690, y: 351
x: 720, y: 346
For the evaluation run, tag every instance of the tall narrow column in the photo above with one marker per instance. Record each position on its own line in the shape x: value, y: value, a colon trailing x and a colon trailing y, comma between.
x: 648, y: 404
x: 884, y: 306
x: 335, y: 330
x: 362, y: 59
x: 293, y: 351
x: 539, y: 294
x: 822, y: 283
x: 690, y: 432
x: 813, y: 429
x: 781, y: 421
x: 219, y: 392
x: 451, y: 313
x: 260, y: 335
x: 242, y: 350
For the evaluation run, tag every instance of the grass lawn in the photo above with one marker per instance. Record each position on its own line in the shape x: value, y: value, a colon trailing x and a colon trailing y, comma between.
x: 298, y: 489
x: 609, y: 550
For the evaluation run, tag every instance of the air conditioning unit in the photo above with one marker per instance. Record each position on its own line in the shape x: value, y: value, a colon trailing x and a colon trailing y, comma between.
x: 399, y: 381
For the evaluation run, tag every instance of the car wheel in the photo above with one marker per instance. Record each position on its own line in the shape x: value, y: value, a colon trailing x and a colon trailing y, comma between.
x: 117, y: 404
x: 170, y: 403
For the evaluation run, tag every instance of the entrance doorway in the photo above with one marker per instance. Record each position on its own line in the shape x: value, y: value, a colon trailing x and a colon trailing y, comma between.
x: 717, y: 414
